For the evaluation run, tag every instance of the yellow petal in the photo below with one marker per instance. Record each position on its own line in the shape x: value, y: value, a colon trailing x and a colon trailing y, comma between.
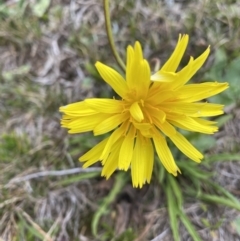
x: 163, y: 76
x: 113, y: 78
x: 165, y: 127
x: 136, y: 112
x: 138, y: 51
x: 105, y: 105
x: 204, y: 122
x: 173, y: 62
x: 95, y: 152
x: 142, y: 126
x: 157, y: 96
x: 77, y: 109
x: 193, y: 109
x: 158, y: 114
x: 111, y: 164
x: 66, y: 120
x: 175, y: 116
x: 144, y: 82
x: 110, y: 123
x: 184, y: 76
x: 201, y: 91
x: 149, y: 156
x: 193, y: 66
x: 90, y: 162
x: 193, y: 124
x: 139, y: 163
x: 130, y: 58
x: 112, y: 139
x: 85, y: 123
x: 164, y: 153
x: 137, y: 72
x: 186, y: 147
x: 198, y: 62
x: 126, y: 150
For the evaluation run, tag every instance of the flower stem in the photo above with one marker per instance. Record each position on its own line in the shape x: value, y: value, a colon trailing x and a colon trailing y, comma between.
x: 110, y: 35
x: 106, y: 202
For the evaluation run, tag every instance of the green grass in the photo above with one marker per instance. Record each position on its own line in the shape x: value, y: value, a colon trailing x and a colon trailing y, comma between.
x: 47, y: 56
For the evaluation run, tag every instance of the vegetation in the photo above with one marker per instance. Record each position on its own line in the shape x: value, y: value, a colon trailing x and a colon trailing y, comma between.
x: 47, y: 54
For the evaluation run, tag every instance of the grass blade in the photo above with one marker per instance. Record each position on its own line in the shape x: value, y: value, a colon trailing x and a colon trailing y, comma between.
x: 172, y: 212
x: 189, y: 227
x: 117, y: 187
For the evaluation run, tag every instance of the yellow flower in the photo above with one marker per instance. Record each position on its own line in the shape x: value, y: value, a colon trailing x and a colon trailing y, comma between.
x: 149, y: 110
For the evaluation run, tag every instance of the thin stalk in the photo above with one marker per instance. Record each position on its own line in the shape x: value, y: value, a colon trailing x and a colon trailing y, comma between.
x: 188, y: 225
x: 110, y: 35
x: 106, y: 202
x: 220, y: 200
x: 224, y: 192
x: 172, y: 212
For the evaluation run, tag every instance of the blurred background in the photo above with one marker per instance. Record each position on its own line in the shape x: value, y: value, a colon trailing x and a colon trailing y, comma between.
x: 48, y: 49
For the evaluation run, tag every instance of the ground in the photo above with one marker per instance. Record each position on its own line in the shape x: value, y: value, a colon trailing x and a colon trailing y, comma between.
x: 47, y: 54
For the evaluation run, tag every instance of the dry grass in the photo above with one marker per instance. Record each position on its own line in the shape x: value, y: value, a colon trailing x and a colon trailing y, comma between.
x: 47, y: 62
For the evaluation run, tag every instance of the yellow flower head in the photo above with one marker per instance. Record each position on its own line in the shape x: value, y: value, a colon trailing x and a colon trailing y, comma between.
x: 149, y: 110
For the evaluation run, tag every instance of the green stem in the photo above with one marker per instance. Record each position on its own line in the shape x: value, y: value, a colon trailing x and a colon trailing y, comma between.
x: 219, y: 200
x: 106, y: 202
x: 172, y: 212
x: 110, y: 35
x: 190, y: 228
x: 224, y: 192
x: 176, y: 190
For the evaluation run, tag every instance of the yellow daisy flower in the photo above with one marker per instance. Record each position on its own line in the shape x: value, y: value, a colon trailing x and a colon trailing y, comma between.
x: 149, y: 109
